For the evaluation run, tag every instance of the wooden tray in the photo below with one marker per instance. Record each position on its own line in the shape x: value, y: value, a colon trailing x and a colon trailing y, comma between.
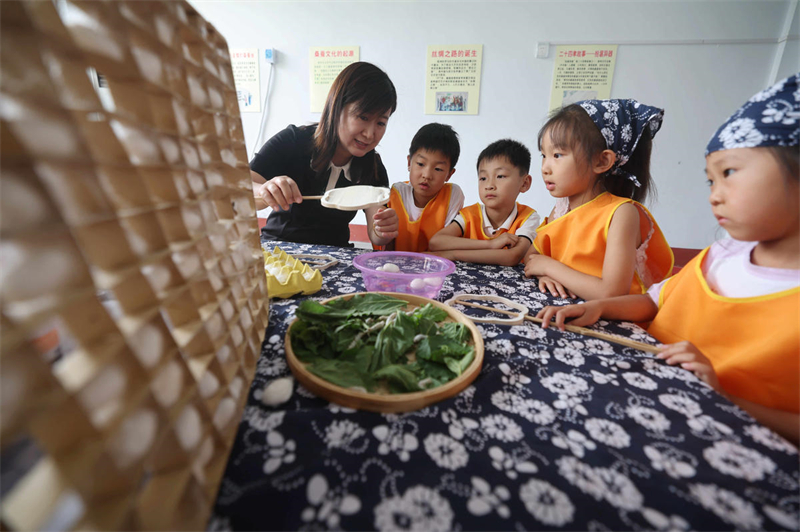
x: 401, y: 402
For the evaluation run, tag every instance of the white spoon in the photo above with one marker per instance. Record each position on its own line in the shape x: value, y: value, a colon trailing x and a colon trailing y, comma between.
x: 353, y: 198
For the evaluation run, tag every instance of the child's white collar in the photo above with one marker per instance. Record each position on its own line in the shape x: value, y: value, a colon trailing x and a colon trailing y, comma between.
x: 487, y: 225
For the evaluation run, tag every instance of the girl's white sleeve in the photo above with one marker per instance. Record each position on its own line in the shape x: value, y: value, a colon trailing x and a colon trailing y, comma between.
x: 655, y: 291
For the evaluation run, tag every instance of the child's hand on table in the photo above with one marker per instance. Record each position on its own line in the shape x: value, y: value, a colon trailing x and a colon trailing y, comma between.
x: 691, y: 359
x: 535, y: 265
x: 548, y: 284
x: 583, y: 314
x: 505, y: 240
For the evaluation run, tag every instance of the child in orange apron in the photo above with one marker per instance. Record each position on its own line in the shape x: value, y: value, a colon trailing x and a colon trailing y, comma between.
x: 731, y: 315
x: 498, y: 230
x: 427, y: 202
x: 599, y: 241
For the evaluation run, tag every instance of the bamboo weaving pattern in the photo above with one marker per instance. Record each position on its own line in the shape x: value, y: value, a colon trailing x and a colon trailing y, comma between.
x: 133, y: 292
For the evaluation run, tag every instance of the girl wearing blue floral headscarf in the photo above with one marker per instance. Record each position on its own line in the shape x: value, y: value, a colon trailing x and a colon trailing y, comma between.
x: 731, y: 315
x: 599, y: 241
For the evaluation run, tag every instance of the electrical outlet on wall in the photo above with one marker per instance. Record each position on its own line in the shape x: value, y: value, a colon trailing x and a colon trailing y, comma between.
x: 269, y: 55
x: 542, y: 50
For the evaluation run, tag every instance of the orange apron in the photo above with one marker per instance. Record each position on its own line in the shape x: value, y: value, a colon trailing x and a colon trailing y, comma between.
x: 752, y: 342
x: 473, y: 221
x: 578, y: 239
x: 414, y: 236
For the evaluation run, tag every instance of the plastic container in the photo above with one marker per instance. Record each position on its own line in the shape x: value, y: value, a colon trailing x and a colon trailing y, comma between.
x: 287, y: 276
x: 416, y: 273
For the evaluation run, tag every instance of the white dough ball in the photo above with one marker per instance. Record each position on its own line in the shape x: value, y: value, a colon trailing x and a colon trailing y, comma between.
x: 391, y: 267
x: 277, y: 392
x: 417, y: 284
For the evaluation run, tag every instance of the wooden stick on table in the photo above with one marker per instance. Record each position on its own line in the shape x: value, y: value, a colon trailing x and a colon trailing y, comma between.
x: 572, y: 328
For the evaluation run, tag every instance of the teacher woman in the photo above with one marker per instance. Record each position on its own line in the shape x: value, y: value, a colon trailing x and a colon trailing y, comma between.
x: 337, y: 152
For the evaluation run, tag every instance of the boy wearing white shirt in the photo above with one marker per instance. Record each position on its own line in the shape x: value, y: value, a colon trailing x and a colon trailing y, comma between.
x: 498, y: 230
x: 427, y: 202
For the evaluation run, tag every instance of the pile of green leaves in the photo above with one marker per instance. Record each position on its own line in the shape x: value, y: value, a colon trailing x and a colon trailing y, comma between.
x: 365, y: 342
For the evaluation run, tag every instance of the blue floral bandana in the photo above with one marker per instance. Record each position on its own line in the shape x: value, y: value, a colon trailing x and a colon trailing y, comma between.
x: 622, y: 123
x: 770, y: 118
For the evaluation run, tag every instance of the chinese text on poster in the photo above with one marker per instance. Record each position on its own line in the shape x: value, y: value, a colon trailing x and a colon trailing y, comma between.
x: 453, y: 79
x: 582, y: 73
x: 244, y: 62
x: 325, y: 64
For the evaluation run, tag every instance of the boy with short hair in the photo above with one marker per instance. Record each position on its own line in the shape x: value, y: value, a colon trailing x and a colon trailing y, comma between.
x: 427, y: 202
x: 499, y: 230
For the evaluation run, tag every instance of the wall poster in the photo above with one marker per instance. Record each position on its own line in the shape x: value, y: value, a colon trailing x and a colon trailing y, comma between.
x: 244, y: 63
x: 582, y: 72
x: 453, y: 79
x: 324, y: 65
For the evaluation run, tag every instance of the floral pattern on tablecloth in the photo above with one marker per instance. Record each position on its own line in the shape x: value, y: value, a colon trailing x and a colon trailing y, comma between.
x: 559, y: 431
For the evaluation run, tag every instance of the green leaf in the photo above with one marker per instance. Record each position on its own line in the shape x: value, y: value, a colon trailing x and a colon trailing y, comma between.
x: 366, y: 304
x: 342, y: 373
x: 402, y: 377
x: 428, y: 311
x: 346, y: 333
x: 315, y: 312
x: 457, y: 365
x: 437, y: 347
x: 309, y: 342
x: 426, y: 318
x: 439, y: 373
x: 394, y: 340
x: 332, y: 339
x: 375, y: 304
x: 457, y: 332
x: 426, y: 326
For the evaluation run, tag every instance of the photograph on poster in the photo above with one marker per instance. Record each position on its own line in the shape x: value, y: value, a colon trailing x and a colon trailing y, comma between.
x: 245, y: 97
x: 451, y: 102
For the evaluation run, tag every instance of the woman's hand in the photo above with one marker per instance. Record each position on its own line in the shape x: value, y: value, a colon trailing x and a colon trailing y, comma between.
x: 691, y: 359
x: 386, y: 224
x: 548, y: 284
x: 279, y: 192
x: 582, y: 314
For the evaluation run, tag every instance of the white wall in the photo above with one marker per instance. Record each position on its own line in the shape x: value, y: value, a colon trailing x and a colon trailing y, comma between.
x: 789, y: 60
x: 699, y: 60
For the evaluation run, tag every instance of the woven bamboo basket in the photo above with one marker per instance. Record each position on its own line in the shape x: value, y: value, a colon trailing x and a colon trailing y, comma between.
x: 133, y: 297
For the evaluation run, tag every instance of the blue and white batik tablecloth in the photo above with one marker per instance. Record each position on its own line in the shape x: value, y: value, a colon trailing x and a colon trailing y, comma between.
x: 559, y: 431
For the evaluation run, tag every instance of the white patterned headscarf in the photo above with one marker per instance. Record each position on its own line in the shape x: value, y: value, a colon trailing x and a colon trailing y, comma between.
x: 770, y: 118
x: 622, y: 123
